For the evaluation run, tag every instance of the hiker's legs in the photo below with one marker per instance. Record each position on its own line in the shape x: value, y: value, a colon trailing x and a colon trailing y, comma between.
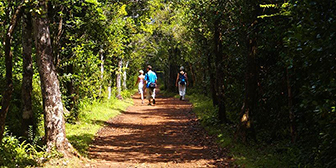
x: 182, y: 91
x: 149, y: 94
x: 141, y: 91
x: 184, y: 87
x: 142, y: 97
x: 153, y: 95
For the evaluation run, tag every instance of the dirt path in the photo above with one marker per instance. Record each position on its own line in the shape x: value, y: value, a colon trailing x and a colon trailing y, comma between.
x: 160, y: 136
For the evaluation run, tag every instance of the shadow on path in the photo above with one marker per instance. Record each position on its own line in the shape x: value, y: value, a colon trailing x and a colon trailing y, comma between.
x: 164, y: 135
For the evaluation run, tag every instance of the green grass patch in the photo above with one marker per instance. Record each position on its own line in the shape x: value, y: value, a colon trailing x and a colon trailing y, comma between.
x: 252, y: 155
x: 93, y: 116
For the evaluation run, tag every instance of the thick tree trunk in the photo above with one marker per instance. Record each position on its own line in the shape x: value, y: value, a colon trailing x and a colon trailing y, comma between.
x: 220, y: 94
x: 125, y: 76
x: 27, y: 112
x: 54, y: 122
x: 7, y: 95
x: 246, y: 128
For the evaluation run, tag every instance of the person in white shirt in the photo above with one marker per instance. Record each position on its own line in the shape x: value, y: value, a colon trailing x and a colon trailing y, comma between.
x: 141, y: 84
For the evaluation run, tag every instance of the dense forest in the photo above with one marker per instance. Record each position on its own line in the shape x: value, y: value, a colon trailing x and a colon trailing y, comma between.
x: 267, y: 65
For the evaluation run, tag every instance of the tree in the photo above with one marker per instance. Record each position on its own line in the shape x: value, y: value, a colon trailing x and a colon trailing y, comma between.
x: 219, y: 69
x: 246, y: 127
x: 125, y: 68
x: 118, y: 78
x: 7, y: 95
x: 54, y: 122
x: 27, y: 42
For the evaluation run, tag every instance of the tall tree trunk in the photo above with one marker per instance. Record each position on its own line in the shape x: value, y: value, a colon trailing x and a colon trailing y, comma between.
x: 125, y: 76
x: 7, y: 95
x: 120, y: 62
x: 70, y: 87
x: 54, y: 122
x: 220, y: 94
x: 246, y: 128
x: 172, y: 77
x: 290, y: 108
x: 173, y: 69
x: 109, y: 89
x: 27, y: 113
x: 193, y: 76
x: 101, y: 53
x: 212, y: 82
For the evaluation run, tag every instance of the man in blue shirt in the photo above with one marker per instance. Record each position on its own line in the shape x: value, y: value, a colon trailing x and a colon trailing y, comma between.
x: 151, y: 80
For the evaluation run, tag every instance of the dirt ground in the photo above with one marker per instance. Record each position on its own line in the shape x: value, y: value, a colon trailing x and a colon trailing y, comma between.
x: 165, y: 135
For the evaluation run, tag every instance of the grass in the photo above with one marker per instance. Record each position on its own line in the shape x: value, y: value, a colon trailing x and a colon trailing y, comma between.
x: 252, y: 155
x: 93, y: 117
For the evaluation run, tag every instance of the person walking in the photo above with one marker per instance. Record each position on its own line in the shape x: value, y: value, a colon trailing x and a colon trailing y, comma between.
x: 141, y: 83
x: 151, y: 80
x: 182, y: 82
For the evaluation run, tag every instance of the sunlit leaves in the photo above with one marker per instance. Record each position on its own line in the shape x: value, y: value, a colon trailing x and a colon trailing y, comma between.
x: 95, y: 2
x: 2, y: 8
x: 122, y: 10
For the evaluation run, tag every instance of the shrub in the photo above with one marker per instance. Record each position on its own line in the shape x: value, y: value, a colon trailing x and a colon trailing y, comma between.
x: 14, y: 153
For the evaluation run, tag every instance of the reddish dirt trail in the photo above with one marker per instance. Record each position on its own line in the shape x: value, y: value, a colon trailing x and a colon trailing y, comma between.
x: 164, y: 135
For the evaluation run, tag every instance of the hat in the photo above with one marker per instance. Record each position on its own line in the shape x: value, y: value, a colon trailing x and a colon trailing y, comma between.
x: 141, y: 71
x: 149, y: 67
x: 181, y: 68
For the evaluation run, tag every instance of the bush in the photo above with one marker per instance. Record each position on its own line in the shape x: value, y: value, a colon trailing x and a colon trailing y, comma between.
x: 14, y: 153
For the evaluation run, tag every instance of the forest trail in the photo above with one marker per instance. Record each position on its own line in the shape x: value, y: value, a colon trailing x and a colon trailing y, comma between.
x: 165, y: 135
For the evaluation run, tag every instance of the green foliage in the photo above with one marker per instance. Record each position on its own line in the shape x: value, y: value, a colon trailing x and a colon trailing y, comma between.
x: 294, y: 51
x: 93, y: 116
x: 14, y: 117
x: 310, y: 56
x: 295, y: 65
x: 251, y: 155
x: 206, y: 112
x: 127, y: 94
x: 17, y: 153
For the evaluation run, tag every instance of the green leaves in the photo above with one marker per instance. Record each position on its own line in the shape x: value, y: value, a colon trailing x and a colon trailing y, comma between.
x: 94, y: 2
x: 293, y: 36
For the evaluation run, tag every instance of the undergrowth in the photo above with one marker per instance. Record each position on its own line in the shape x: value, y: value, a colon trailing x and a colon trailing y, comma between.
x: 15, y: 152
x: 93, y: 114
x: 92, y: 117
x: 251, y: 155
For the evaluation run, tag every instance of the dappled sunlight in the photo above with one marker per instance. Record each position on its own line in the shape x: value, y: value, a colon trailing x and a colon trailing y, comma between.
x: 157, y: 134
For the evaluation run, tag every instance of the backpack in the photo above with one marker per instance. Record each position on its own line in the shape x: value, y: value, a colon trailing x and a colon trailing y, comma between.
x: 182, y: 79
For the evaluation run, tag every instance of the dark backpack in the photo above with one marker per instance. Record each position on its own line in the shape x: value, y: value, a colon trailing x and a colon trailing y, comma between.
x: 182, y: 79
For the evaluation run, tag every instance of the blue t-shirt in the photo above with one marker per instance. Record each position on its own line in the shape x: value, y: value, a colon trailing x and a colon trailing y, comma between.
x: 150, y: 77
